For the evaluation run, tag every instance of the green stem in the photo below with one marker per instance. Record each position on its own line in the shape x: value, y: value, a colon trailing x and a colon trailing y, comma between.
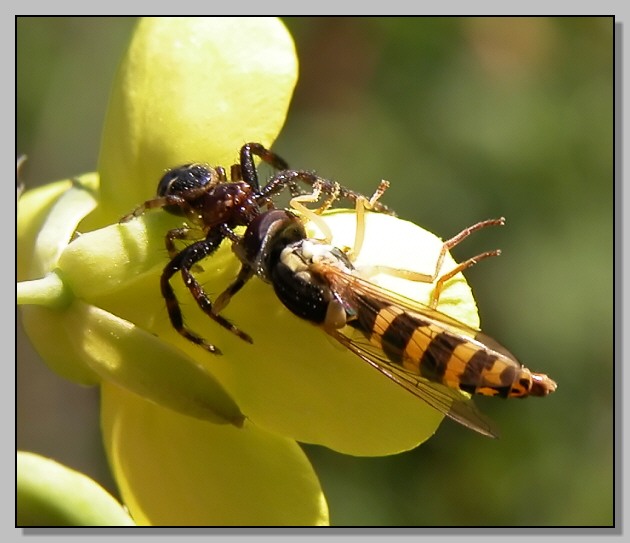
x: 49, y: 291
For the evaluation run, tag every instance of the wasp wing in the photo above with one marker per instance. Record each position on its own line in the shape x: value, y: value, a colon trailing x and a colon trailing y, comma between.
x: 364, y: 297
x: 448, y: 401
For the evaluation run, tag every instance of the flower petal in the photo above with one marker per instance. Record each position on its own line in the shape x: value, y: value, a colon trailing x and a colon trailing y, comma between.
x: 50, y: 494
x: 101, y: 262
x: 51, y: 333
x: 177, y: 471
x: 295, y: 380
x: 120, y: 352
x: 192, y: 89
x: 47, y: 219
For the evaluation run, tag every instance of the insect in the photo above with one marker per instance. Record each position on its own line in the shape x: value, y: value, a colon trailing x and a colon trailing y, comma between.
x: 214, y: 207
x: 435, y: 357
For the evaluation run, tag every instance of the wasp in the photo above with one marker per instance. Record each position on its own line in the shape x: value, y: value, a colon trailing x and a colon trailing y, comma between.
x: 435, y: 357
x: 214, y: 206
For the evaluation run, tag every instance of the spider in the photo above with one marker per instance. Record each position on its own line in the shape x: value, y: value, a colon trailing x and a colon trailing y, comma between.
x: 213, y: 207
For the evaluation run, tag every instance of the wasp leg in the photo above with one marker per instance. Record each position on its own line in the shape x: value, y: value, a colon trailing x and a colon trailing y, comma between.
x: 448, y: 245
x: 363, y: 204
x: 313, y: 215
x: 439, y: 283
x: 440, y: 280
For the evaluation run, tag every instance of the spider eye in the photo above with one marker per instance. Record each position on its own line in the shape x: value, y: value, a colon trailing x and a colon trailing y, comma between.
x: 184, y: 178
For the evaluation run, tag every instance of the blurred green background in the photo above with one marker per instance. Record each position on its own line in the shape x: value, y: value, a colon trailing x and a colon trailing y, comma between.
x: 469, y: 118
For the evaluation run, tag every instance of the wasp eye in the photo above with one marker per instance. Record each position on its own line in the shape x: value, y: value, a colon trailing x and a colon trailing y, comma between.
x: 184, y: 178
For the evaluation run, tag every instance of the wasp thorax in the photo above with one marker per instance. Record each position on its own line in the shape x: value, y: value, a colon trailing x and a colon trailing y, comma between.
x: 310, y: 252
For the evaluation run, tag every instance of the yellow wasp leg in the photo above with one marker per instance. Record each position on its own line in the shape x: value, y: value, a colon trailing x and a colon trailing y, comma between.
x: 314, y: 215
x: 362, y: 204
x: 448, y: 245
x: 439, y: 280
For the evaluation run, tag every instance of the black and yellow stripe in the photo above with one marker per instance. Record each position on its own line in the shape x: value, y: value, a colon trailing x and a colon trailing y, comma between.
x: 439, y: 355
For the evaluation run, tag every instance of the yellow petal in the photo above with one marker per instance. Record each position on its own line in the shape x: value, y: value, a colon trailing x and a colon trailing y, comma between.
x: 50, y: 494
x: 295, y: 380
x: 47, y: 219
x: 103, y: 261
x: 192, y: 89
x: 122, y: 353
x: 52, y: 333
x: 177, y: 471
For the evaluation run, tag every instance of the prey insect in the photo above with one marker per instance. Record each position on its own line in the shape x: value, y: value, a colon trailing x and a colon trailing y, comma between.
x: 435, y: 357
x: 214, y: 207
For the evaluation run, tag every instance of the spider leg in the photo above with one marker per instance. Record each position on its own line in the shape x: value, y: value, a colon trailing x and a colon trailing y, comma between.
x: 183, y: 262
x: 162, y: 201
x: 172, y: 305
x: 184, y: 233
x: 203, y: 301
x: 248, y: 168
x: 292, y: 178
x: 244, y: 275
x: 201, y: 250
x: 280, y: 181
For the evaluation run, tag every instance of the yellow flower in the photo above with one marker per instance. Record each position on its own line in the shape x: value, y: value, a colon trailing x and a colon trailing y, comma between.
x: 194, y: 438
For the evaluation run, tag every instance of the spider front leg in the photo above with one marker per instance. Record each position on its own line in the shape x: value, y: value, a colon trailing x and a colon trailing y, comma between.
x: 183, y: 262
x: 333, y: 190
x: 247, y: 168
x: 170, y: 200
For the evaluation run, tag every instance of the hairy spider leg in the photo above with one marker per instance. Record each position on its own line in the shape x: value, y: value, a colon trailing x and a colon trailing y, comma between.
x: 247, y: 167
x: 292, y: 178
x: 183, y: 262
x: 184, y: 233
x: 245, y: 274
x: 252, y: 261
x: 161, y: 201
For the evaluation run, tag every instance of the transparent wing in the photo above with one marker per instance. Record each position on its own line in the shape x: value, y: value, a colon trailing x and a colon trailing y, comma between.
x: 366, y: 298
x: 350, y: 288
x: 448, y: 401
